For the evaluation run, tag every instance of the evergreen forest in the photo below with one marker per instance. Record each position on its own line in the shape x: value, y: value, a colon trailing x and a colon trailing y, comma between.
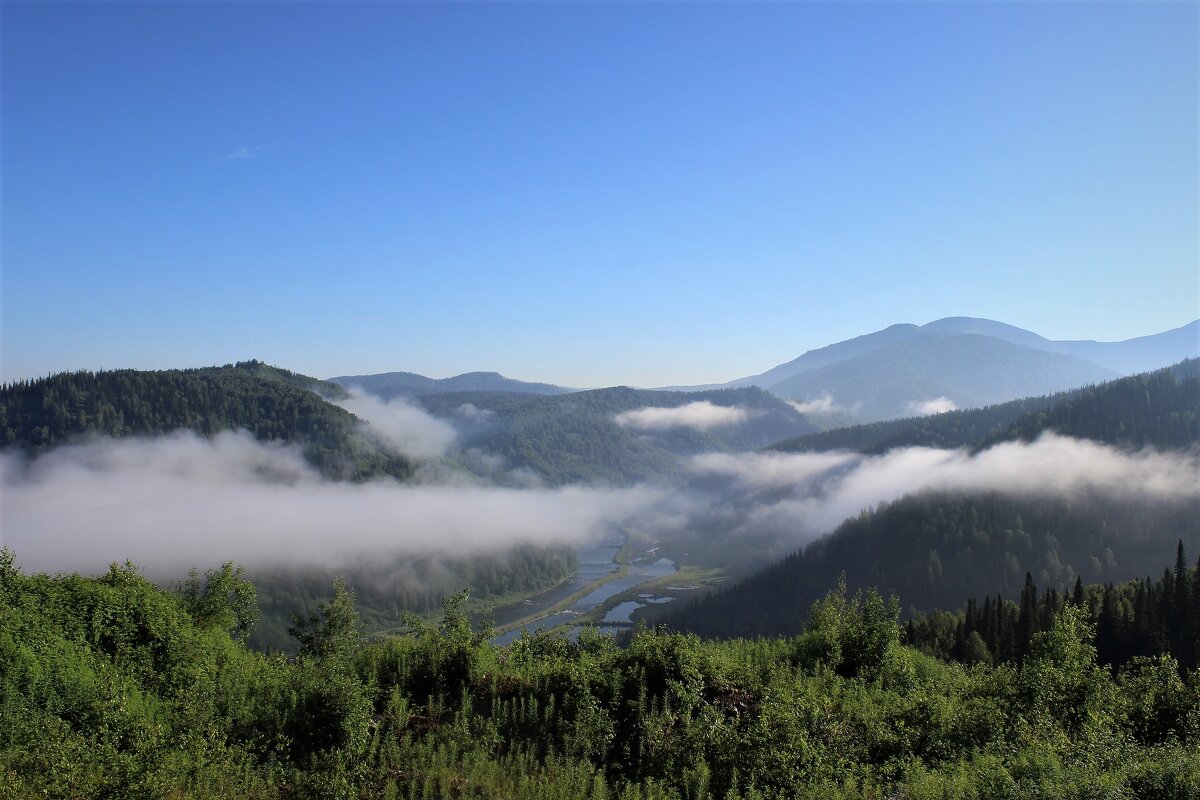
x: 1160, y: 409
x: 572, y: 438
x: 933, y: 549
x: 273, y: 404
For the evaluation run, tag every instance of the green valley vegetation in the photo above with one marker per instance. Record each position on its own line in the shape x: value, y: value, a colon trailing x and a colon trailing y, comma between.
x: 111, y: 687
x: 389, y: 587
x: 273, y: 404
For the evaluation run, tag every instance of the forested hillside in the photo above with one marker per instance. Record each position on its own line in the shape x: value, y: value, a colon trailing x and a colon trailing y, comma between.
x: 949, y: 429
x: 1143, y: 618
x: 110, y: 687
x: 273, y: 404
x: 1158, y: 408
x: 935, y: 549
x: 576, y: 437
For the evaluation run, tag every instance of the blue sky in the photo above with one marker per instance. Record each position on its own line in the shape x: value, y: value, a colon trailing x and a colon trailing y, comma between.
x: 587, y: 194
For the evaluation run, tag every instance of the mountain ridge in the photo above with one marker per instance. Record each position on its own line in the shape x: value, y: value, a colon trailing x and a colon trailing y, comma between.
x: 892, y: 372
x: 389, y: 385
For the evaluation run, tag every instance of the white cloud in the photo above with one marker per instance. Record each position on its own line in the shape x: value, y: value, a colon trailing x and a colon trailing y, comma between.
x: 821, y: 404
x: 768, y: 470
x: 180, y: 501
x: 938, y: 405
x: 474, y: 413
x: 240, y: 153
x: 700, y: 415
x: 808, y: 494
x: 399, y: 426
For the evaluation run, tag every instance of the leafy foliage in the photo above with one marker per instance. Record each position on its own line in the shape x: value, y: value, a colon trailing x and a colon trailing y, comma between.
x: 110, y: 688
x: 332, y: 630
x: 224, y: 599
x: 388, y: 587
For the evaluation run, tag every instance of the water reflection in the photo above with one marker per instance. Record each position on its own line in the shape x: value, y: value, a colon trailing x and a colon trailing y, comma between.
x: 591, y: 568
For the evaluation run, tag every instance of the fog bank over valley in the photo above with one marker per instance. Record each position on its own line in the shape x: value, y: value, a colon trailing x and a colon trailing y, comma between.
x: 174, y: 502
x: 178, y: 501
x: 804, y: 495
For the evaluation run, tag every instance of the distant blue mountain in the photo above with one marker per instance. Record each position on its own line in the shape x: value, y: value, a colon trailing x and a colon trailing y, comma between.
x: 961, y: 362
x: 1142, y: 354
x: 940, y: 373
x: 409, y: 384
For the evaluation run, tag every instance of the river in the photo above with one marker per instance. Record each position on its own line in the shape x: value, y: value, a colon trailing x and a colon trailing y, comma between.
x: 595, y: 562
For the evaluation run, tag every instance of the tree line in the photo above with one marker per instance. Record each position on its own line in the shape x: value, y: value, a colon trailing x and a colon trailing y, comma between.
x: 1135, y: 619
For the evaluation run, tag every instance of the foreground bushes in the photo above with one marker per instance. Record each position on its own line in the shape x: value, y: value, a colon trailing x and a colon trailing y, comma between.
x: 110, y: 687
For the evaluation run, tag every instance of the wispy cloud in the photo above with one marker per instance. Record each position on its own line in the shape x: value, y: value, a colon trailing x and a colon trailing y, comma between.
x: 241, y: 153
x: 821, y: 404
x: 938, y: 405
x: 400, y: 426
x: 179, y: 501
x: 701, y: 415
x: 806, y: 494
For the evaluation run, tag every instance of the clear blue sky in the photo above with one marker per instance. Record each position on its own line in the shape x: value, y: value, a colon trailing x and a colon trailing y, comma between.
x: 585, y: 194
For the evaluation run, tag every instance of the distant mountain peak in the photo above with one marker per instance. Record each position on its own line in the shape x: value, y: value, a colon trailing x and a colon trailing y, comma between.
x: 959, y: 326
x: 969, y: 360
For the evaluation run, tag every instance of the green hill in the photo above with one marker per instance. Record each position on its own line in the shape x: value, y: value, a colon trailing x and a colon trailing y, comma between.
x: 1157, y: 408
x: 271, y: 403
x: 577, y: 437
x: 949, y: 430
x: 934, y: 548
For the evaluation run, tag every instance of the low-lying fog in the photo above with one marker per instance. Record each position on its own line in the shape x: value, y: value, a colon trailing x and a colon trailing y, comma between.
x: 173, y: 502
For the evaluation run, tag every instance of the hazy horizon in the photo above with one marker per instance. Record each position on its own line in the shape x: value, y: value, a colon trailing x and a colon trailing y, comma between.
x: 487, y: 369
